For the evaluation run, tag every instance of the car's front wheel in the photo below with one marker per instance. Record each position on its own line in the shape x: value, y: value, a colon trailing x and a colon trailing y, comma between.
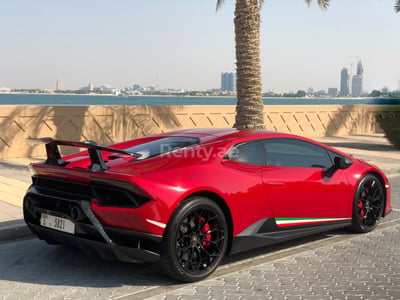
x: 195, y: 241
x: 368, y: 205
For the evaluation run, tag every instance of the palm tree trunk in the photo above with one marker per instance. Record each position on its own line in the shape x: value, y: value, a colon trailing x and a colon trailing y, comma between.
x: 249, y: 109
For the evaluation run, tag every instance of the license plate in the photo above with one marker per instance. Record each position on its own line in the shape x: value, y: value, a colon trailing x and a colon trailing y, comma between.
x: 57, y: 223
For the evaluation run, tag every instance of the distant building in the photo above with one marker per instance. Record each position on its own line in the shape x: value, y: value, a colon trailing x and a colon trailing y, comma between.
x: 320, y: 93
x: 102, y: 89
x: 332, y: 92
x: 357, y: 81
x: 228, y: 82
x: 4, y: 90
x: 360, y: 69
x: 344, y: 82
x: 60, y: 85
x: 385, y: 90
x: 356, y: 86
x: 149, y: 89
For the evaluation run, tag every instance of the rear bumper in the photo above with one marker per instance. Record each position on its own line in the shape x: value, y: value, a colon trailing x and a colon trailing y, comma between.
x: 90, y: 234
x: 104, y: 250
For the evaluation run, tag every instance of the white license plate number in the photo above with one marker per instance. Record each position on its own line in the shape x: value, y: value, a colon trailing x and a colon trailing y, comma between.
x: 57, y: 223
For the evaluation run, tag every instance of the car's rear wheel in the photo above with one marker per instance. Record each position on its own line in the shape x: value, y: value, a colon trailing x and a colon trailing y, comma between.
x: 195, y: 241
x: 368, y: 204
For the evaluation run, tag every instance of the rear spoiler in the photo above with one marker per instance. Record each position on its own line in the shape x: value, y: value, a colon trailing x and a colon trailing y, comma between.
x: 54, y: 156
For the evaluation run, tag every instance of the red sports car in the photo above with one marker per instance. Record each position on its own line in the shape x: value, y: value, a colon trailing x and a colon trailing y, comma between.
x: 186, y: 198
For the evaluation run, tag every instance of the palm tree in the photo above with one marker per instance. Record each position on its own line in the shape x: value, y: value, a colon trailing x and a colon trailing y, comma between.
x: 249, y: 108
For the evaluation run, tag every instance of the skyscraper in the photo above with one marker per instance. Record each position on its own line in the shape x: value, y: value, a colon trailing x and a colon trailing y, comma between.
x: 357, y: 81
x: 360, y: 69
x: 228, y: 82
x: 60, y: 85
x: 356, y: 86
x: 344, y: 82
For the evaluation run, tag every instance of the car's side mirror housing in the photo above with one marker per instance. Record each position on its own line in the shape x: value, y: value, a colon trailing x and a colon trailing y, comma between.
x: 341, y: 163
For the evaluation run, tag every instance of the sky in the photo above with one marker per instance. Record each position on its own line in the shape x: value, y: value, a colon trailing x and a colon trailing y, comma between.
x: 186, y: 44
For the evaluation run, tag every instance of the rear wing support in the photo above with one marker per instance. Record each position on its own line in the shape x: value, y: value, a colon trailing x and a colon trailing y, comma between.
x: 94, y: 150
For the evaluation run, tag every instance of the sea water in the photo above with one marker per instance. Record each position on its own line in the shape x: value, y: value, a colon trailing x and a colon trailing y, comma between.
x: 60, y: 99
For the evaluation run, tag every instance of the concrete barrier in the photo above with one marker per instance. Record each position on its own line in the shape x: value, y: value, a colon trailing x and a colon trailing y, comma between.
x: 108, y: 124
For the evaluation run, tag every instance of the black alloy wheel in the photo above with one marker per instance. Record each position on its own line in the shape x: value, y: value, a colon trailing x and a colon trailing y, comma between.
x: 369, y: 201
x: 195, y: 241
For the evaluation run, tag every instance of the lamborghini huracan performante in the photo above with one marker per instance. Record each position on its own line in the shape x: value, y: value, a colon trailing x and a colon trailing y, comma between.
x: 186, y: 198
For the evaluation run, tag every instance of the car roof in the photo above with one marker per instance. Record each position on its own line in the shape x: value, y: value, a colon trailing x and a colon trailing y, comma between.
x: 219, y: 133
x: 206, y: 135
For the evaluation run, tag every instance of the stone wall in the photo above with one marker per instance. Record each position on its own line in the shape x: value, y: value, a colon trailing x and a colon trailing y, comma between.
x: 108, y: 124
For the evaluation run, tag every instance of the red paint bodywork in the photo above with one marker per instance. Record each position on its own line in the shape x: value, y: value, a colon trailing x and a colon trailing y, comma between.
x: 249, y: 193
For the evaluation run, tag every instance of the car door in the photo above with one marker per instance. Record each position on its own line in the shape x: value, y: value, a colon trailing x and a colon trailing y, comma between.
x: 243, y: 179
x: 300, y: 185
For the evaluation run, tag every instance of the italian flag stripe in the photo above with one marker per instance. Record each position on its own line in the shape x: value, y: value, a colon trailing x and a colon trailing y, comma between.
x: 282, y: 222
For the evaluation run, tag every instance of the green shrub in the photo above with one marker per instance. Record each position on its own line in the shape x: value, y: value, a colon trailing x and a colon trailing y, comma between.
x: 389, y: 121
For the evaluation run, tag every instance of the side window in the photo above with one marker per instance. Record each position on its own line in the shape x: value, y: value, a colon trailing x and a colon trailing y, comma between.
x: 295, y: 153
x: 248, y: 152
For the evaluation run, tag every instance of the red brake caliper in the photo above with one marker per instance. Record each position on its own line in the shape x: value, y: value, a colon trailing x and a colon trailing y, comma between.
x: 206, y: 228
x: 360, y: 206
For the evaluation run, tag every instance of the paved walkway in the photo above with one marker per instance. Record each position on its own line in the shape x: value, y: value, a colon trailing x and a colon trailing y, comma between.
x: 361, y: 267
x: 15, y: 178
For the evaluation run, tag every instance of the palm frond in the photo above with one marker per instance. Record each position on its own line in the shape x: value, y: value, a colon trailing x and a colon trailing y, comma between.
x: 219, y: 3
x: 322, y: 3
x: 397, y: 6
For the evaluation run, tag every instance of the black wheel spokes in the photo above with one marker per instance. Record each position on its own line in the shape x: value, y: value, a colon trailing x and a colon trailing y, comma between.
x: 370, y: 203
x: 200, y: 238
x: 369, y: 219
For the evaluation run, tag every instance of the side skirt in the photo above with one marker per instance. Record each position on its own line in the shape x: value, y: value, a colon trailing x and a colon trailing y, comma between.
x: 266, y: 232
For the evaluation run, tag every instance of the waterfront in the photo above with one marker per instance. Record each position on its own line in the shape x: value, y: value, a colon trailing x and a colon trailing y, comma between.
x: 60, y: 99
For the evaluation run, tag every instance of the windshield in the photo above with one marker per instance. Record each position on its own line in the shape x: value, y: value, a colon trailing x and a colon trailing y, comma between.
x: 164, y: 145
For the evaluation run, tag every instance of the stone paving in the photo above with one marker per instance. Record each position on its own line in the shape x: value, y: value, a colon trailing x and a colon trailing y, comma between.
x: 363, y: 267
x: 31, y: 269
x: 337, y: 266
x: 14, y: 180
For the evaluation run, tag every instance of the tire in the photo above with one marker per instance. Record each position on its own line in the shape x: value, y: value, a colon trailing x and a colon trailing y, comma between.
x: 368, y: 204
x: 195, y: 241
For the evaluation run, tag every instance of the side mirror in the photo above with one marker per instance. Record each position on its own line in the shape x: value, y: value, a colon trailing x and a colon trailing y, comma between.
x: 340, y: 163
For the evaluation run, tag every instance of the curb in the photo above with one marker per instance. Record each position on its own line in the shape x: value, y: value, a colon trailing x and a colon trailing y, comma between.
x: 12, y: 230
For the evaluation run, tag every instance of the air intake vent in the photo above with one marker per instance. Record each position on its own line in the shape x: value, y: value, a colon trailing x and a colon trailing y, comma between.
x: 111, y: 196
x: 107, y: 193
